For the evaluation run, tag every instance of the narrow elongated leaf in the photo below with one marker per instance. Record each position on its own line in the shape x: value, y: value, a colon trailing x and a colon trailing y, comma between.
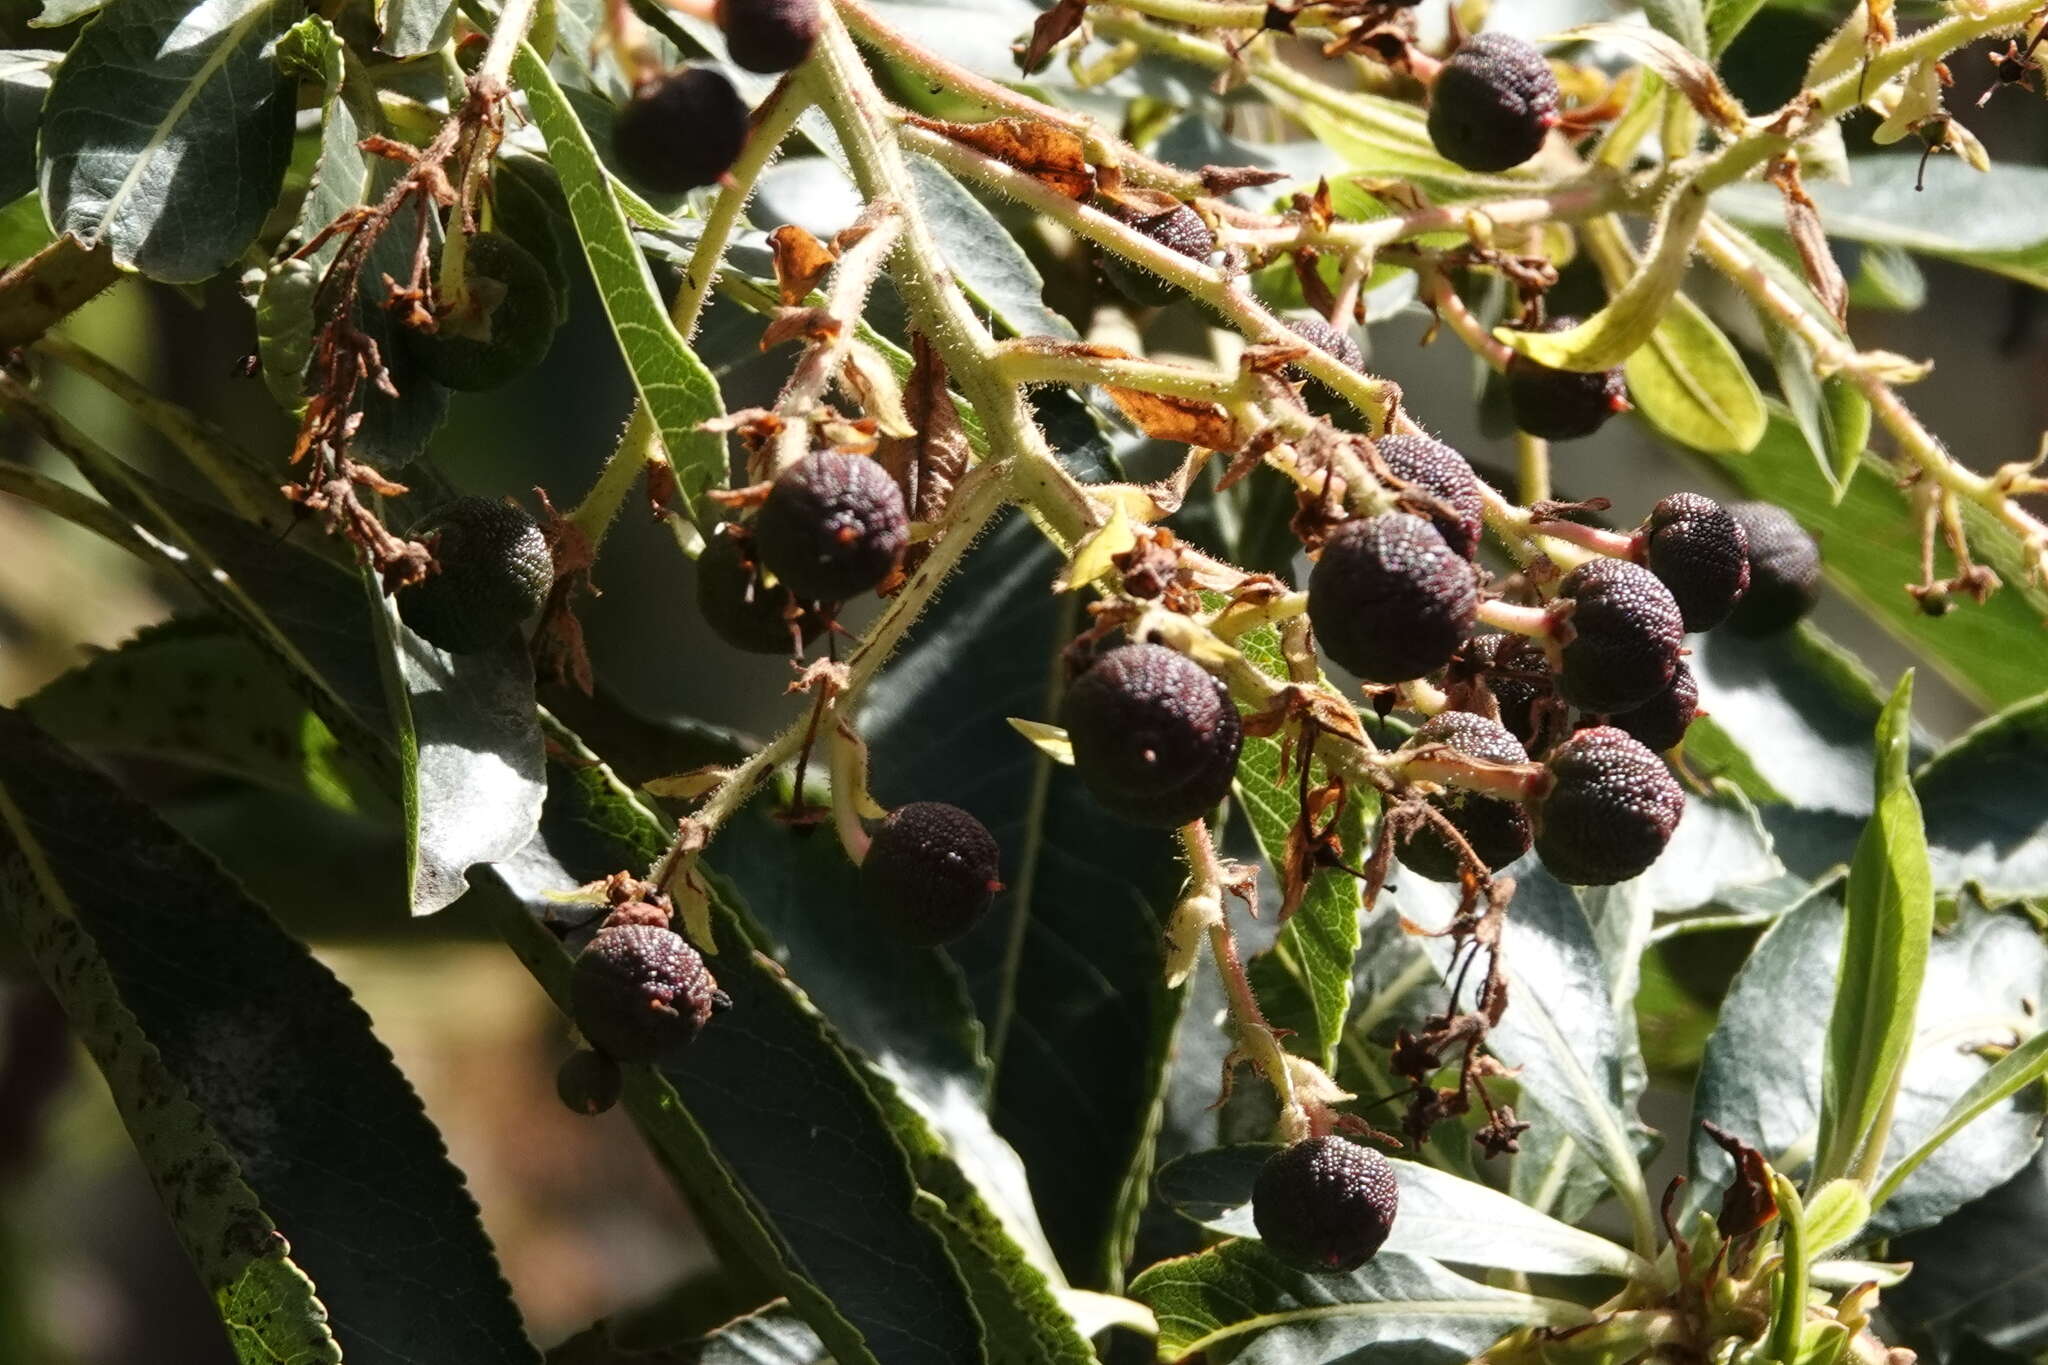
x: 1236, y: 1297
x: 281, y: 1136
x: 1441, y: 1216
x: 1884, y: 960
x: 1983, y: 797
x: 1638, y: 308
x: 2024, y: 1066
x: 1685, y: 20
x: 469, y: 743
x: 767, y: 1121
x: 1981, y: 974
x: 671, y: 380
x: 167, y: 131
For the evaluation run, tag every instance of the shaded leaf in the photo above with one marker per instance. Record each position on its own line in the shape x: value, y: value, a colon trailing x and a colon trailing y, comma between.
x: 281, y: 1135
x: 773, y: 1336
x: 24, y: 83
x: 167, y: 131
x: 991, y: 265
x: 1980, y: 1277
x: 413, y: 28
x: 1236, y: 1297
x: 1982, y: 797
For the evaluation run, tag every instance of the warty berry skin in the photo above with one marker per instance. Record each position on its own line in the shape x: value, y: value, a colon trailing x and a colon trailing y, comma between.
x: 1627, y: 634
x: 1325, y: 1205
x: 589, y: 1083
x: 518, y: 324
x: 1518, y: 676
x: 1701, y: 553
x: 767, y: 36
x: 680, y: 131
x: 1612, y: 811
x: 494, y: 571
x: 640, y: 993
x: 1389, y: 600
x: 1492, y: 104
x: 1661, y: 722
x: 833, y: 526
x: 1441, y: 472
x: 742, y: 609
x: 1179, y: 229
x: 1155, y: 737
x: 1562, y: 405
x: 930, y: 872
x: 1784, y: 570
x: 1497, y: 829
x: 1321, y: 335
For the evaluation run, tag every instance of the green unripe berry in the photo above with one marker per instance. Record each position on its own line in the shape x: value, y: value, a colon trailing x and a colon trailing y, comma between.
x: 493, y: 570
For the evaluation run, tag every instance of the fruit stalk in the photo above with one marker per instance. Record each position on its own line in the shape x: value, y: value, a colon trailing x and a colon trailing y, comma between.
x: 1255, y: 1036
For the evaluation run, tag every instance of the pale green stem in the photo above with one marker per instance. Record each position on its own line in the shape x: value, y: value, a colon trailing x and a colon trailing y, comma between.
x: 1255, y: 1036
x: 1034, y: 361
x: 773, y: 123
x: 1532, y: 461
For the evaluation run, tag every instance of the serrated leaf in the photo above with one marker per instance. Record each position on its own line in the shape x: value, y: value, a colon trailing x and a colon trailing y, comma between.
x: 678, y: 391
x: 468, y: 734
x: 1441, y: 1216
x: 167, y: 131
x: 226, y: 1046
x: 1236, y: 1297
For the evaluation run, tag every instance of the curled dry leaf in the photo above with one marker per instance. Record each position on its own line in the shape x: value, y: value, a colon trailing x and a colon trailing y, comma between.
x: 1188, y: 420
x: 932, y: 458
x: 1053, y: 27
x: 1053, y: 156
x: 1802, y: 222
x: 801, y: 260
x: 1749, y: 1202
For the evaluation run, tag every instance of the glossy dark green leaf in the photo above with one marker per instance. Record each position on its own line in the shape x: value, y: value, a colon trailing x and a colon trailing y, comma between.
x: 196, y: 691
x: 1760, y: 1078
x: 413, y: 28
x: 24, y: 84
x: 992, y: 267
x: 1441, y: 1216
x: 281, y: 1135
x: 767, y: 1120
x: 1980, y: 1277
x: 1890, y: 899
x: 1237, y: 1298
x: 1066, y: 970
x: 167, y: 131
x: 1983, y: 801
x: 773, y: 1336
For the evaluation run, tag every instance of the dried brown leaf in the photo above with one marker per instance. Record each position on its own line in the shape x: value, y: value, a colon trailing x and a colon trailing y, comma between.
x: 801, y: 260
x: 1052, y: 155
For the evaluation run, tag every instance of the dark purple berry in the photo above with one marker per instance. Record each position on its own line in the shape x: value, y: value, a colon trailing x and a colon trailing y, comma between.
x: 1389, y: 600
x: 1701, y: 553
x: 1492, y: 104
x: 1325, y: 1205
x: 1155, y: 737
x: 1518, y: 676
x: 1562, y: 405
x: 640, y: 993
x: 589, y: 1082
x: 1611, y: 812
x: 493, y: 570
x: 1627, y: 634
x: 833, y: 526
x: 743, y: 610
x: 511, y: 329
x: 930, y: 872
x: 1321, y: 335
x: 768, y: 36
x: 1497, y: 829
x: 1442, y: 473
x: 1661, y: 722
x: 680, y: 131
x: 1784, y: 570
x: 1179, y: 229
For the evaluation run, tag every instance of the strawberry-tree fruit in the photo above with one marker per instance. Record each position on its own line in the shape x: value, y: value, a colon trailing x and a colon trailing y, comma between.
x: 1784, y: 570
x: 742, y: 607
x: 503, y: 328
x: 767, y: 36
x: 833, y: 526
x: 1178, y: 229
x: 1562, y: 405
x: 1626, y: 635
x: 1701, y: 553
x: 1155, y: 737
x: 1492, y: 103
x: 1442, y: 473
x: 1611, y: 811
x: 641, y: 993
x: 1496, y: 829
x: 680, y: 131
x: 931, y: 871
x: 1325, y: 1204
x: 1389, y: 599
x: 589, y: 1082
x: 492, y: 571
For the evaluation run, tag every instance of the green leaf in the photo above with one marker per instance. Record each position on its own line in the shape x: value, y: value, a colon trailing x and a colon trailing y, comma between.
x: 1725, y: 19
x: 469, y: 745
x: 195, y: 691
x: 1441, y: 1216
x: 1833, y: 415
x: 774, y: 1335
x: 1835, y: 1214
x: 1760, y: 1077
x: 413, y: 28
x: 1374, y: 135
x: 767, y: 1121
x: 1796, y: 709
x: 1995, y: 220
x: 24, y: 84
x: 2020, y: 1068
x: 1685, y: 20
x: 677, y: 389
x: 992, y: 267
x: 1995, y: 653
x: 1980, y: 1277
x: 1317, y: 945
x: 1066, y: 969
x: 281, y: 1136
x: 1884, y: 960
x: 23, y: 230
x: 167, y: 132
x: 1983, y: 800
x: 1639, y: 307
x: 1236, y: 1297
